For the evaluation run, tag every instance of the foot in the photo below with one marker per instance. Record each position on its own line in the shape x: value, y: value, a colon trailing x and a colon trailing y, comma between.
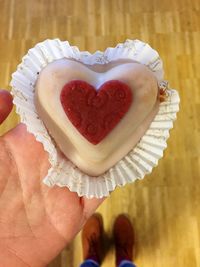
x: 124, y: 239
x: 92, y: 237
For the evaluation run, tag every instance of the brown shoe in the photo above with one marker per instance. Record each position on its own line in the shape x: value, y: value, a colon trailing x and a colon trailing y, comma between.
x: 124, y: 239
x: 92, y: 238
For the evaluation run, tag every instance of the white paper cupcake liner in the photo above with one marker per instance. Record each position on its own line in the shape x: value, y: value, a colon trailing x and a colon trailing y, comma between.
x: 138, y: 162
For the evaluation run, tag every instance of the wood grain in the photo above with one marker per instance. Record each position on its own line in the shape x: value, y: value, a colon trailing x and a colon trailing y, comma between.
x: 164, y: 207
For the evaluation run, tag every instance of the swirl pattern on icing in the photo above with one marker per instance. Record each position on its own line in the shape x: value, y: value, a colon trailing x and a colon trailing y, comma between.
x: 93, y: 112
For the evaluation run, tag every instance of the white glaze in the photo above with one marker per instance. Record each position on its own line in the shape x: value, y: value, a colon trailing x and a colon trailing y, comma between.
x: 99, y: 158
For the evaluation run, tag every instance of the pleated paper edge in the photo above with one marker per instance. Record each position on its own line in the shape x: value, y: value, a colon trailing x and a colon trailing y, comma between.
x: 139, y: 162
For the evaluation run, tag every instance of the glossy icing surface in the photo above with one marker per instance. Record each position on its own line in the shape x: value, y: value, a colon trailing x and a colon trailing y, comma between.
x: 90, y: 158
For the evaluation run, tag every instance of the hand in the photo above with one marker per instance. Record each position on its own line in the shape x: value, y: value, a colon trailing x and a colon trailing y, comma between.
x: 36, y: 222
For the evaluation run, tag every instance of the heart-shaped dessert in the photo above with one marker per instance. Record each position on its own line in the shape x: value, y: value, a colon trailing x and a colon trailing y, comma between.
x: 110, y: 131
x: 96, y: 113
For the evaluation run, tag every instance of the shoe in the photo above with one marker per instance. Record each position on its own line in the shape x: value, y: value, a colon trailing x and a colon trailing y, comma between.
x: 124, y: 239
x: 92, y: 238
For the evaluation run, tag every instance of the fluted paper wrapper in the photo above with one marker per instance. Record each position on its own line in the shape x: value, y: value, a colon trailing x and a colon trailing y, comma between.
x: 139, y: 161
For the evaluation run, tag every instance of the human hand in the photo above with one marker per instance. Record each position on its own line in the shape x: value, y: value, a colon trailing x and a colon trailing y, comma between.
x: 36, y: 222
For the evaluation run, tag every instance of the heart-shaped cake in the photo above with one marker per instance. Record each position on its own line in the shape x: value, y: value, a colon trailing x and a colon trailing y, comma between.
x: 103, y: 118
x: 96, y: 113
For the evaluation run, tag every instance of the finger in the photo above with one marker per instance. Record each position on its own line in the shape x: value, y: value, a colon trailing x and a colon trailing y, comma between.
x: 6, y: 104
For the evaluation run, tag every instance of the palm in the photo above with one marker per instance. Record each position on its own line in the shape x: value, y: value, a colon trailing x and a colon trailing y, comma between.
x: 36, y: 221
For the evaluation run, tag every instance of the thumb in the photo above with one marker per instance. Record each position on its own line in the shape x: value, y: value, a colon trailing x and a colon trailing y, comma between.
x: 6, y: 104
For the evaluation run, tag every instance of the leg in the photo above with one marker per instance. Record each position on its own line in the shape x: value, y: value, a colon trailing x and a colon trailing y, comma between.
x: 92, y: 237
x: 126, y: 263
x: 124, y: 241
x: 89, y: 263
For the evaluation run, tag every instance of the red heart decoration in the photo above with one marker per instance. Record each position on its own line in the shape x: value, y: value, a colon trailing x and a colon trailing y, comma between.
x: 93, y: 112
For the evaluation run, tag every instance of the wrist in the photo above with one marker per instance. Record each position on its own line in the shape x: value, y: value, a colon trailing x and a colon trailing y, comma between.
x: 11, y: 248
x: 10, y: 259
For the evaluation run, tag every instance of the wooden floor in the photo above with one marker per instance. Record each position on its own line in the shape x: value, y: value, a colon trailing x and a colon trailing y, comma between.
x: 165, y: 206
